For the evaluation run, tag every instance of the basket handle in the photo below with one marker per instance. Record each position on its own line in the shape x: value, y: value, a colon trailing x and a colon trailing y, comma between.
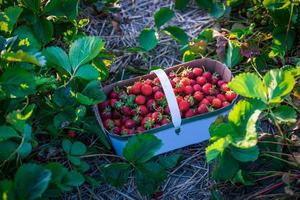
x: 170, y: 96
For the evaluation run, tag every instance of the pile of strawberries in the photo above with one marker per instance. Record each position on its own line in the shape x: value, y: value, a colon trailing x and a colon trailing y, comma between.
x: 143, y: 106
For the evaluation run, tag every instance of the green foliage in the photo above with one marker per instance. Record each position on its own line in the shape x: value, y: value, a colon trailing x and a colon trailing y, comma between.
x: 162, y: 16
x: 148, y: 39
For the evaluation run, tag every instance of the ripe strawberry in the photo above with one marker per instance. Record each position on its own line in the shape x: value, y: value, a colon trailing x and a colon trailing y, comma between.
x: 136, y: 88
x: 189, y: 113
x: 113, y: 95
x: 103, y: 105
x: 164, y: 121
x: 193, y: 82
x: 156, y: 89
x: 220, y: 83
x: 210, y: 98
x: 184, y: 105
x: 207, y: 75
x: 124, y: 131
x: 117, y: 122
x: 187, y: 73
x: 221, y: 97
x: 197, y: 71
x: 151, y: 104
x: 124, y: 119
x: 113, y: 102
x: 142, y: 110
x: 206, y: 88
x: 130, y: 123
x: 116, y: 130
x: 225, y: 103
x: 215, y: 78
x: 148, y: 82
x: 189, y: 99
x: 172, y: 75
x: 159, y: 109
x: 173, y: 83
x: 202, y: 108
x: 198, y: 95
x: 178, y: 89
x: 177, y: 79
x: 201, y: 80
x: 140, y: 100
x: 109, y: 124
x: 197, y: 87
x: 216, y: 103
x: 230, y: 96
x: 156, y: 81
x: 147, y: 122
x: 167, y: 110
x: 159, y: 95
x: 146, y: 90
x: 185, y: 81
x: 156, y: 125
x: 205, y: 102
x: 224, y: 87
x: 116, y: 114
x: 106, y: 113
x: 188, y: 89
x: 140, y: 129
x: 131, y: 131
x: 179, y: 99
x: 71, y: 134
x: 126, y: 110
x: 156, y: 116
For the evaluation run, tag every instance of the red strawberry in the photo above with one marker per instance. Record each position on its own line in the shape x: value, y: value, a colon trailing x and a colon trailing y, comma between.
x: 189, y: 113
x: 179, y: 99
x: 147, y: 122
x: 156, y: 81
x: 148, y: 82
x: 159, y: 95
x: 126, y: 110
x: 156, y: 116
x: 151, y: 104
x: 142, y: 109
x: 156, y: 126
x: 124, y: 119
x: 117, y: 122
x: 164, y: 121
x: 230, y: 96
x: 129, y: 123
x: 207, y: 75
x: 117, y: 130
x: 202, y: 108
x: 184, y: 105
x: 221, y: 97
x: 116, y: 115
x: 205, y: 102
x: 131, y: 131
x: 140, y: 100
x: 71, y: 134
x: 167, y: 110
x: 216, y: 103
x: 124, y: 131
x: 103, y: 105
x: 221, y: 82
x: 159, y: 109
x: 210, y: 98
x: 109, y: 124
x: 198, y: 95
x: 215, y: 78
x: 201, y: 80
x: 197, y: 87
x: 113, y: 95
x: 146, y: 90
x: 156, y: 89
x: 189, y: 99
x: 185, y: 81
x: 193, y: 82
x: 224, y: 87
x: 176, y: 79
x: 188, y: 89
x: 112, y: 102
x: 173, y: 83
x: 206, y: 88
x: 136, y: 88
x: 225, y: 103
x: 197, y: 71
x: 140, y: 129
x: 172, y: 74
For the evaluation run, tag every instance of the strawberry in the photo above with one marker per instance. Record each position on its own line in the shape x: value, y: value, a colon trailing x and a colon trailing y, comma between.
x: 140, y: 129
x: 224, y: 87
x: 193, y: 82
x: 167, y: 110
x: 124, y: 131
x: 230, y: 96
x: 189, y: 99
x: 106, y: 113
x: 137, y: 119
x: 117, y: 130
x: 188, y: 89
x: 146, y: 90
x: 185, y: 81
x: 221, y: 97
x: 206, y: 88
x: 156, y: 81
x: 142, y: 109
x: 117, y: 122
x: 202, y: 108
x: 173, y: 83
x: 159, y: 109
x: 220, y: 83
x: 179, y: 99
x: 124, y: 119
x: 184, y: 105
x: 210, y: 98
x: 225, y: 103
x: 113, y: 95
x: 197, y: 87
x: 103, y: 105
x: 198, y: 95
x: 151, y: 104
x: 71, y: 134
x: 172, y: 75
x: 129, y: 123
x: 207, y: 75
x: 177, y: 80
x: 156, y: 116
x: 116, y: 114
x: 159, y: 95
x: 156, y: 89
x: 136, y: 88
x: 216, y: 103
x: 147, y: 122
x: 197, y: 71
x: 148, y: 82
x: 201, y: 80
x: 126, y: 110
x: 140, y: 100
x: 109, y: 124
x: 189, y: 113
x: 187, y: 73
x: 164, y: 121
x: 205, y: 101
x: 113, y: 102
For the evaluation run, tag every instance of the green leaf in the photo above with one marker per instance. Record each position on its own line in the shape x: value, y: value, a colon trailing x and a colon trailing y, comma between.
x: 279, y: 83
x: 141, y: 148
x: 249, y: 85
x: 226, y: 167
x: 148, y: 39
x: 215, y: 149
x: 206, y: 35
x: 57, y: 57
x: 43, y: 29
x: 58, y: 171
x: 74, y: 160
x: 220, y: 131
x: 243, y: 118
x: 281, y: 42
x: 22, y: 56
x: 7, y: 149
x: 149, y: 177
x: 31, y: 181
x: 24, y: 32
x: 33, y: 5
x: 18, y: 82
x: 67, y: 145
x: 7, y: 132
x: 6, y: 189
x: 78, y: 149
x: 87, y: 72
x: 168, y: 162
x: 240, y: 178
x: 181, y: 4
x: 73, y: 178
x: 162, y: 16
x: 84, y: 50
x: 94, y: 92
x: 62, y: 8
x: 189, y: 56
x: 217, y: 10
x: 285, y: 114
x: 178, y: 34
x: 245, y: 155
x: 13, y: 13
x: 25, y: 150
x: 116, y: 174
x: 233, y: 54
